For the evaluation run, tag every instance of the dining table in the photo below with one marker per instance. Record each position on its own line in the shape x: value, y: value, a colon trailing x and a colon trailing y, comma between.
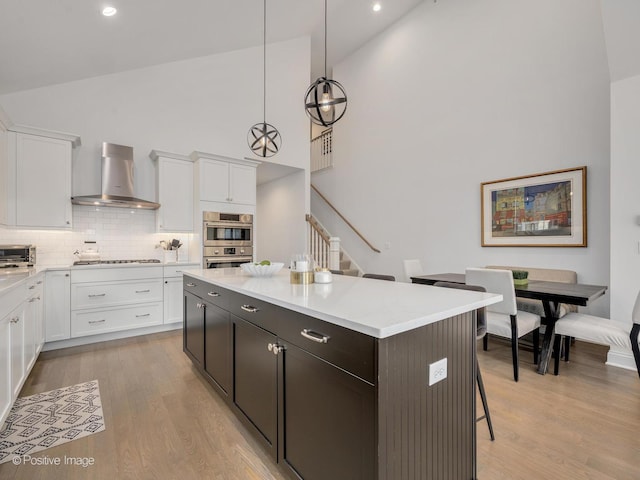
x: 551, y: 294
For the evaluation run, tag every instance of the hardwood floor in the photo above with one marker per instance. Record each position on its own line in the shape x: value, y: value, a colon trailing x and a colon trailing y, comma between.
x: 164, y: 421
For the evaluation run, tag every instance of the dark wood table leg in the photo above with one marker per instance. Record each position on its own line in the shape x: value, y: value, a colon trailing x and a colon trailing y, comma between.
x: 551, y: 314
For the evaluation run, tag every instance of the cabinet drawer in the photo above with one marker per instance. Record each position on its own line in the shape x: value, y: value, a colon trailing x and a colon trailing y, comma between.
x: 91, y: 322
x: 259, y: 313
x: 104, y: 294
x: 112, y: 274
x: 349, y: 350
x: 206, y: 291
x: 176, y: 270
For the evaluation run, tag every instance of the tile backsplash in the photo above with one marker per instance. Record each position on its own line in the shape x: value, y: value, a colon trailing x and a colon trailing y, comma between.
x: 119, y: 233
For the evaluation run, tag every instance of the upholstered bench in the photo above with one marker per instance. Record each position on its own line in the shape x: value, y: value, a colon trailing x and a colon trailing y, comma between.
x: 544, y: 275
x: 589, y: 328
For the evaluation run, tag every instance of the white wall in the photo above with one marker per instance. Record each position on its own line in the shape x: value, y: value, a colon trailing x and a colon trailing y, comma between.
x: 461, y: 92
x: 279, y: 209
x: 206, y: 104
x: 625, y: 197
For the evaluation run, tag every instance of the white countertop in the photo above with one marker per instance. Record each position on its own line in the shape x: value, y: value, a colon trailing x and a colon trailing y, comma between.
x: 374, y: 307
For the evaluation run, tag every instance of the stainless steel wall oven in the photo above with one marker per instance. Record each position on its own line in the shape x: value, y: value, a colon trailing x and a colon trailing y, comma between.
x: 227, y: 239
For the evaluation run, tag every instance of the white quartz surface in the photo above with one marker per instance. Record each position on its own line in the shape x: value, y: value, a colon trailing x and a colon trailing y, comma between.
x: 11, y: 278
x: 374, y: 307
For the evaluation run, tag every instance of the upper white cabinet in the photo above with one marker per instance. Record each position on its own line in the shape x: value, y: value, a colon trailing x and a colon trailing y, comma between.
x: 225, y: 180
x: 174, y: 184
x: 37, y: 171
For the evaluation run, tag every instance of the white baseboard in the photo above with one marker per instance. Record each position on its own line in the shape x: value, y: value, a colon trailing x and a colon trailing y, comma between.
x: 621, y: 358
x: 74, y: 342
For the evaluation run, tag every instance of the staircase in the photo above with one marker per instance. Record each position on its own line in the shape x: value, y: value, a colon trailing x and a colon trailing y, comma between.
x: 327, y: 252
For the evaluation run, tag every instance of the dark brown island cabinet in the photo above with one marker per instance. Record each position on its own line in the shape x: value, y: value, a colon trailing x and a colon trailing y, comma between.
x: 330, y: 403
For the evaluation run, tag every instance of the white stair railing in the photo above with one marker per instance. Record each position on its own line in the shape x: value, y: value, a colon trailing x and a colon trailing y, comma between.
x: 324, y: 249
x: 322, y: 151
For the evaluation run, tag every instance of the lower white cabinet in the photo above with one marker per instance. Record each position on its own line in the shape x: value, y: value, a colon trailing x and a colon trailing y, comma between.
x: 6, y: 390
x: 173, y: 297
x: 18, y: 364
x: 101, y: 303
x: 115, y: 319
x: 57, y: 305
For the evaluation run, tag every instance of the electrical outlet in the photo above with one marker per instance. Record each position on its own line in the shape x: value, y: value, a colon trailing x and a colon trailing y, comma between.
x: 437, y: 371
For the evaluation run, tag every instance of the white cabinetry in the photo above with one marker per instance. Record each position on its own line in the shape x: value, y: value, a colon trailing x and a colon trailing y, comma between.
x: 113, y: 299
x: 57, y: 305
x: 5, y: 366
x: 37, y: 192
x: 173, y: 289
x: 33, y: 321
x: 20, y: 336
x: 174, y: 186
x: 225, y: 180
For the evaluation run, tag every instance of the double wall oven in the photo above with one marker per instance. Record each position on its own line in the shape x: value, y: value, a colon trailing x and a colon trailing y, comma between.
x: 227, y: 239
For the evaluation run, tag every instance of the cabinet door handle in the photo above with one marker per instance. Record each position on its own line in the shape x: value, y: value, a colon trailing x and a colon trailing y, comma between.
x: 200, y: 305
x: 213, y: 294
x: 15, y: 320
x: 143, y: 291
x: 143, y: 315
x: 314, y: 336
x: 32, y: 287
x: 92, y: 295
x: 191, y: 284
x: 66, y: 274
x: 39, y: 283
x: 249, y: 308
x: 91, y: 322
x: 275, y: 348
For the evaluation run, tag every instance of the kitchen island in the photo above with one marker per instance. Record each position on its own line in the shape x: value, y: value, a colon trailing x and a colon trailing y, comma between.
x: 337, y: 381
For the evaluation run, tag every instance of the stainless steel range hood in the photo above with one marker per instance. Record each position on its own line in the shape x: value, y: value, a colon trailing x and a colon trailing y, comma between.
x: 117, y: 181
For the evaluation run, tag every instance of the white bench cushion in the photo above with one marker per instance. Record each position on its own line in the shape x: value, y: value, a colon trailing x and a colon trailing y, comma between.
x: 593, y: 329
x: 500, y: 323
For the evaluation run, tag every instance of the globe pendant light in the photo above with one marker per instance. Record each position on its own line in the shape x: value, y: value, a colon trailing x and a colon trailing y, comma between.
x: 263, y: 138
x: 325, y: 100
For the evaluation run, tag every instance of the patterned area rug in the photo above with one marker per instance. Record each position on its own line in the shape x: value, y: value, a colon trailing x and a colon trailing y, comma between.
x: 52, y: 418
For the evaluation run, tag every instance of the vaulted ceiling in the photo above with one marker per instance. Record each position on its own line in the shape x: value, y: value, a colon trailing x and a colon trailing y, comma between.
x: 44, y: 42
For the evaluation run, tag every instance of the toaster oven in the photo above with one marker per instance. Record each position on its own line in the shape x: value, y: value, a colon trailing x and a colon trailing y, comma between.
x: 17, y: 256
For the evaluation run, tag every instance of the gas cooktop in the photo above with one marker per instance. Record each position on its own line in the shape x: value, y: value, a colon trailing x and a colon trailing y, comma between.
x: 112, y: 262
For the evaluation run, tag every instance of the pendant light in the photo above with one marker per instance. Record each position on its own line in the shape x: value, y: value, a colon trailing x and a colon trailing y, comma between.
x: 263, y: 138
x: 325, y: 100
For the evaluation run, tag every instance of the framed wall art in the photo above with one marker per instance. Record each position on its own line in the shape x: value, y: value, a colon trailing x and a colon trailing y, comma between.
x: 542, y: 210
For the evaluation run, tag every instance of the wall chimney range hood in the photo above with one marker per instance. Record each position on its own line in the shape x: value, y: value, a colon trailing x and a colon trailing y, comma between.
x: 117, y: 181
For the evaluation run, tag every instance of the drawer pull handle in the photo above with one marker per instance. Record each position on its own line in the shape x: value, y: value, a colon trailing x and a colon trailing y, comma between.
x: 97, y: 295
x: 200, y: 305
x: 178, y: 271
x: 213, y: 294
x: 191, y: 284
x: 40, y: 282
x: 91, y: 322
x: 32, y: 287
x: 143, y: 315
x: 143, y: 291
x: 249, y: 308
x: 15, y: 320
x: 314, y: 336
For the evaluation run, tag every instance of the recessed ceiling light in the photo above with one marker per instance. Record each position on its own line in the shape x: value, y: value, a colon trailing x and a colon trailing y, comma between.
x: 377, y: 7
x: 109, y: 11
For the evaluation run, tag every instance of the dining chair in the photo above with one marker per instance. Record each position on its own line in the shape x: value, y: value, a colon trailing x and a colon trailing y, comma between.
x: 602, y: 331
x: 412, y: 268
x: 481, y: 332
x: 378, y: 276
x: 503, y: 318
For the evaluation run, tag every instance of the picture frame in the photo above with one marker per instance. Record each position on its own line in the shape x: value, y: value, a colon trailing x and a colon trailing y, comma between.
x: 541, y: 210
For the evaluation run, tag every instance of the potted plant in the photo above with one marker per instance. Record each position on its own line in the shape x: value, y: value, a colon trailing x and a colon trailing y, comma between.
x: 520, y: 277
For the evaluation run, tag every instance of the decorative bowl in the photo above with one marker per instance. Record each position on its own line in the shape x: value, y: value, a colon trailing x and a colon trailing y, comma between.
x: 261, y: 270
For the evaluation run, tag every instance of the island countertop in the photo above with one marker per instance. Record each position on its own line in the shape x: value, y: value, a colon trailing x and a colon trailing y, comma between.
x: 374, y: 307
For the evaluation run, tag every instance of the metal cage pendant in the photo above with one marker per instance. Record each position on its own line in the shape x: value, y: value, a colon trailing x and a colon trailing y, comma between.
x: 264, y: 139
x: 325, y: 101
